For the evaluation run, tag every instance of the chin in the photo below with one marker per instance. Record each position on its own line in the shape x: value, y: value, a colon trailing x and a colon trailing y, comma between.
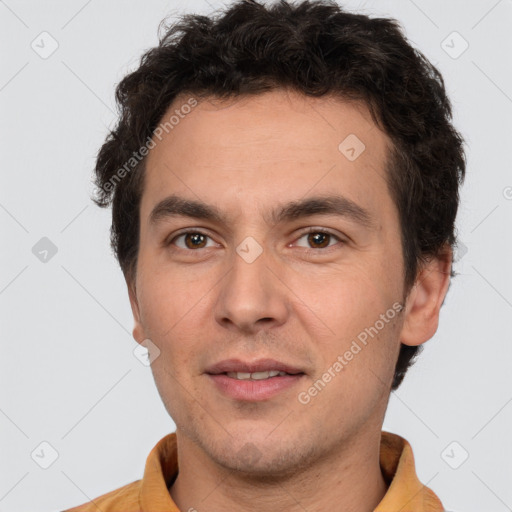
x: 263, y: 460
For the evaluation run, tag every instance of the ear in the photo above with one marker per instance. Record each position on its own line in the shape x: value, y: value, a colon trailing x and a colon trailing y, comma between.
x: 138, y: 330
x: 425, y: 299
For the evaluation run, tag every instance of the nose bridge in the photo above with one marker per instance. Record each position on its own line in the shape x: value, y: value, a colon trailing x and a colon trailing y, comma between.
x: 252, y: 295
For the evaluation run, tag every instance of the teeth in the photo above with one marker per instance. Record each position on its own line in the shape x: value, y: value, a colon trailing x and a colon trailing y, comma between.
x: 260, y: 375
x: 242, y: 375
x: 255, y: 375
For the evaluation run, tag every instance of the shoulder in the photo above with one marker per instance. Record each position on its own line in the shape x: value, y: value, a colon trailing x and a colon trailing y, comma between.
x: 125, y: 498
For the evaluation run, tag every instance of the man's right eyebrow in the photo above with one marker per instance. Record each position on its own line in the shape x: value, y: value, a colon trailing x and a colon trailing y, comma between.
x: 173, y: 206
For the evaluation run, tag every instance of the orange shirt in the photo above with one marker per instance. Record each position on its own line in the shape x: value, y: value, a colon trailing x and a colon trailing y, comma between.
x: 405, y: 492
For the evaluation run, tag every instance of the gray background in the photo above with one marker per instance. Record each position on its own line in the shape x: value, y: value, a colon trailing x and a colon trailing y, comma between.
x: 68, y: 373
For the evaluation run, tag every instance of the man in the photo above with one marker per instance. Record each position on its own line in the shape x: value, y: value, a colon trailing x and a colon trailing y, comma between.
x: 284, y: 181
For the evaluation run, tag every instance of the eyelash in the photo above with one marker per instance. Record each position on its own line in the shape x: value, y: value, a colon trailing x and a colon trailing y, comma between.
x: 308, y: 251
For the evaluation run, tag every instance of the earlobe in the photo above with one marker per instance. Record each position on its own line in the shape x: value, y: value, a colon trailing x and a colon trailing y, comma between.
x: 425, y: 299
x: 138, y: 331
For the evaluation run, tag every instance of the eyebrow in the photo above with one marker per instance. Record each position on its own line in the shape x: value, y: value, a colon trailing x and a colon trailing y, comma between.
x: 174, y: 206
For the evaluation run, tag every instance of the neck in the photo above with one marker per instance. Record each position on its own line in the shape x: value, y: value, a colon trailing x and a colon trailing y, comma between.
x: 349, y: 477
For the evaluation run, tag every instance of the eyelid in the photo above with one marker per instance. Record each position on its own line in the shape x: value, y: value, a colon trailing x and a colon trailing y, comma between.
x: 326, y: 231
x: 187, y: 231
x: 318, y: 229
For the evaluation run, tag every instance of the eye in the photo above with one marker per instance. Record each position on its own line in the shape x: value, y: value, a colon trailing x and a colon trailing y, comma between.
x: 191, y: 240
x: 319, y: 239
x: 315, y: 239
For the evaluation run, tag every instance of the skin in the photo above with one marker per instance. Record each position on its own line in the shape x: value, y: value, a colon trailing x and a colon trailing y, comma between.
x: 203, y: 305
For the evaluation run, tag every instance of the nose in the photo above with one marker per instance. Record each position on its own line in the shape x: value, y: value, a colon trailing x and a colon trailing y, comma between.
x: 252, y: 296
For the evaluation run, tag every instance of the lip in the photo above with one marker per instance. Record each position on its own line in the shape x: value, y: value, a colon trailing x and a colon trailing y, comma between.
x: 253, y: 390
x: 260, y: 365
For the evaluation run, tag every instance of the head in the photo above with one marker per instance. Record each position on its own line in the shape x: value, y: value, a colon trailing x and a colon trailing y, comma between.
x: 271, y: 118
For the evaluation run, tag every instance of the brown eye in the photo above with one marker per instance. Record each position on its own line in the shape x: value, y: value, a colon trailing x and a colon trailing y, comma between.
x: 318, y: 239
x: 191, y: 240
x: 195, y: 240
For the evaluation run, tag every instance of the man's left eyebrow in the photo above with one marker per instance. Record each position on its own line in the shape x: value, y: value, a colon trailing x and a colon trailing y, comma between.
x: 330, y: 205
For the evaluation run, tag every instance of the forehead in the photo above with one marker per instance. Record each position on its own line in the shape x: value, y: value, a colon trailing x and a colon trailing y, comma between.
x: 257, y: 148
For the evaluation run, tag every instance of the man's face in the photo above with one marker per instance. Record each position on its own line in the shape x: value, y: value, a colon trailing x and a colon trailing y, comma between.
x: 251, y: 286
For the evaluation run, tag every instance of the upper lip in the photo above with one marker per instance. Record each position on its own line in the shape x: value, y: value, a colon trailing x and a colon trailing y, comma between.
x: 260, y: 365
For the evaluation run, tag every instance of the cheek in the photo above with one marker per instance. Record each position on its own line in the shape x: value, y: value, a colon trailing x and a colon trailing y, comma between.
x: 174, y: 307
x: 358, y: 323
x: 356, y: 370
x: 169, y: 314
x: 169, y: 301
x: 345, y: 299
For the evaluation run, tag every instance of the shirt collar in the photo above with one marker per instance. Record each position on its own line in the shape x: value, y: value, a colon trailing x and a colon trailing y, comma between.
x: 405, y: 492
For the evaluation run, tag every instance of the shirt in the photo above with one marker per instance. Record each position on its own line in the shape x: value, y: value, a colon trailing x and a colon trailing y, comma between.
x: 150, y: 494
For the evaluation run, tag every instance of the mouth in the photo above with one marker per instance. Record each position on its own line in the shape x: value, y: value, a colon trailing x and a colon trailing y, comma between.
x: 253, y: 381
x: 255, y: 375
x: 258, y: 368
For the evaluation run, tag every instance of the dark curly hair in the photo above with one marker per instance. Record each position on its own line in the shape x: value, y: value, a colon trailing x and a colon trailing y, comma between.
x: 316, y: 48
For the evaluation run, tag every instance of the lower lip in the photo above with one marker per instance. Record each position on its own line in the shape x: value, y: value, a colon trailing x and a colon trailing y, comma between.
x: 254, y: 390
